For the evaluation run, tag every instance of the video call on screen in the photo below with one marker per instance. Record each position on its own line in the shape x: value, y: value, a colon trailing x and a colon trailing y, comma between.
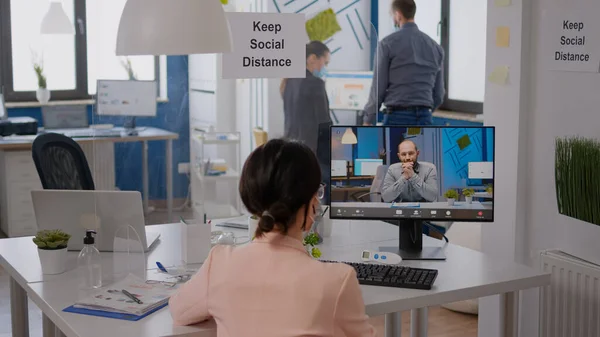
x: 428, y: 173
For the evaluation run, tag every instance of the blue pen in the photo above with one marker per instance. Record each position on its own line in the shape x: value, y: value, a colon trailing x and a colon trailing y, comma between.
x: 161, y: 267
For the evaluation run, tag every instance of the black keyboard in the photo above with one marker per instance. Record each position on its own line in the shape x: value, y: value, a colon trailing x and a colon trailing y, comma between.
x: 392, y: 276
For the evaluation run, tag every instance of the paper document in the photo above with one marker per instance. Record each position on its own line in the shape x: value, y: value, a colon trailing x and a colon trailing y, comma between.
x: 406, y: 204
x: 112, y: 299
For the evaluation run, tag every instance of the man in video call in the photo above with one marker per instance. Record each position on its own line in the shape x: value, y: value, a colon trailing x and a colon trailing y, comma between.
x: 410, y: 180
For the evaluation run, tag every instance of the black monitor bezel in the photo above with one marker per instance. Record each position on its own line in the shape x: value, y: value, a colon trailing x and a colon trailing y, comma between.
x: 334, y: 216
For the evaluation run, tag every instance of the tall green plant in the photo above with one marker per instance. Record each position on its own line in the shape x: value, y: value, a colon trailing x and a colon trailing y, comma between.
x: 577, y: 179
x: 39, y: 73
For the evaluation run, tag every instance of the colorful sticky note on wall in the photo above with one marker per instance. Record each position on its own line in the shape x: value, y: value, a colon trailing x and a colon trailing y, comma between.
x: 503, y: 37
x: 323, y: 26
x: 413, y: 131
x: 502, y: 3
x: 499, y: 75
x: 224, y: 2
x: 463, y: 142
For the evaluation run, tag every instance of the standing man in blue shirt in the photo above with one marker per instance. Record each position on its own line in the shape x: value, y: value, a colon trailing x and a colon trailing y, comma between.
x: 408, y: 76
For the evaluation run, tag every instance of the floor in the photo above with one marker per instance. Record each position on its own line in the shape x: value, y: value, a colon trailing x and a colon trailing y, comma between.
x: 442, y: 322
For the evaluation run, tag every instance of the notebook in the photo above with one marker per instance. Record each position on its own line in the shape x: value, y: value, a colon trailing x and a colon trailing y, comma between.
x: 153, y: 295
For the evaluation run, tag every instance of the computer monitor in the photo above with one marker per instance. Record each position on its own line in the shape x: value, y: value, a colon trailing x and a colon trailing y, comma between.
x: 339, y: 168
x: 127, y: 98
x: 429, y: 175
x: 366, y: 167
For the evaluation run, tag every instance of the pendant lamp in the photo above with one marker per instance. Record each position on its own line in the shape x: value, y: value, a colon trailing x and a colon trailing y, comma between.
x: 56, y: 21
x: 349, y: 137
x: 173, y: 27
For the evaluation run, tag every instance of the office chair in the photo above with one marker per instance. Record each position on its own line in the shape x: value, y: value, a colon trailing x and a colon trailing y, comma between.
x: 60, y: 163
x: 374, y: 194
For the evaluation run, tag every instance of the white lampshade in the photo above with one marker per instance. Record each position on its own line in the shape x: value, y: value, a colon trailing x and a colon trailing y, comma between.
x: 173, y: 27
x: 56, y: 21
x: 349, y: 137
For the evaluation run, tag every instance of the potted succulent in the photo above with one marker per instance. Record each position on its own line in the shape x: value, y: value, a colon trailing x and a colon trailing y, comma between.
x: 451, y: 195
x: 52, y: 250
x: 310, y: 241
x: 42, y: 94
x: 468, y: 193
x: 490, y: 189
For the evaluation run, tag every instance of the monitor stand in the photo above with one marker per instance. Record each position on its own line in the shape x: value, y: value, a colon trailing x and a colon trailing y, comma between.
x: 411, y: 242
x: 129, y: 127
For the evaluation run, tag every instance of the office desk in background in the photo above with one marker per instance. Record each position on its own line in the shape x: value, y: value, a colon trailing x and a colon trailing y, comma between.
x: 18, y: 175
x: 466, y: 274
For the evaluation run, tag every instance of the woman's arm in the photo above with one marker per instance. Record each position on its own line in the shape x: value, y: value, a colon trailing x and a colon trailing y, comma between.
x: 350, y: 309
x: 190, y: 304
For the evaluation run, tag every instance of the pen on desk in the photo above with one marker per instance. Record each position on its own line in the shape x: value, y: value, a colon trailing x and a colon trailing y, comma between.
x: 130, y: 295
x: 161, y: 267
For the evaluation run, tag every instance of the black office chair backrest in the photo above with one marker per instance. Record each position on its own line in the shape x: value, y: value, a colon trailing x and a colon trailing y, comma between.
x: 60, y: 163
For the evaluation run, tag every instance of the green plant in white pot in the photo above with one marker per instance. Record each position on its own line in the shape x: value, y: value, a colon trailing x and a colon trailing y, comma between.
x: 468, y: 193
x: 451, y: 195
x: 576, y: 168
x: 42, y: 94
x: 52, y: 250
x: 310, y: 241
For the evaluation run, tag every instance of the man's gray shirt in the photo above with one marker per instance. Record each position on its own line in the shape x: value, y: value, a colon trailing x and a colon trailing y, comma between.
x: 409, y: 72
x: 422, y: 186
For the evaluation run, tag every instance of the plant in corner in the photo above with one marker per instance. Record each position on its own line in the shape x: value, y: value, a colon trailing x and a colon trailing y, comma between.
x: 490, y: 189
x: 126, y: 64
x: 312, y: 239
x: 468, y: 193
x: 42, y: 94
x: 451, y: 195
x: 52, y: 250
x: 576, y: 168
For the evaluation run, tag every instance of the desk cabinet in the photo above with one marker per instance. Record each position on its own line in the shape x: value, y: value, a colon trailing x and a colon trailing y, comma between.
x: 19, y: 178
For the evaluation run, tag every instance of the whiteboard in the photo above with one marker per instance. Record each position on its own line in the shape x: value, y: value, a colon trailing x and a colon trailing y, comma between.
x: 348, y: 90
x: 126, y: 98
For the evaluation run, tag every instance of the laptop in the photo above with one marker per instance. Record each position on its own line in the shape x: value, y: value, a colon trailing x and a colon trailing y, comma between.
x: 106, y: 212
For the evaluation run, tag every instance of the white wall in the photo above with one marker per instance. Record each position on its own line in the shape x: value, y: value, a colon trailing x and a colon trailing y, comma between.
x: 505, y: 108
x: 536, y: 106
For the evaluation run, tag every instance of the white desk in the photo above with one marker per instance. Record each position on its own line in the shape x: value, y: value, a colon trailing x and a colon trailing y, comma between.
x: 464, y: 275
x: 18, y: 175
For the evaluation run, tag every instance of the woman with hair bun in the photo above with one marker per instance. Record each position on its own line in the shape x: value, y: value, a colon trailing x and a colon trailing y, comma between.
x: 272, y: 287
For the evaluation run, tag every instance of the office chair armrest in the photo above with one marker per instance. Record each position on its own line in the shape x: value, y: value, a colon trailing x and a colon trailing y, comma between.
x: 360, y: 197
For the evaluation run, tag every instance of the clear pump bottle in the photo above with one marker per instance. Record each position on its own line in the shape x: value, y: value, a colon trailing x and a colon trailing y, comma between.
x: 89, y: 263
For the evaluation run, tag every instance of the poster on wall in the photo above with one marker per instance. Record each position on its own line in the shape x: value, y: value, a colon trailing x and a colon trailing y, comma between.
x: 266, y: 45
x: 570, y: 41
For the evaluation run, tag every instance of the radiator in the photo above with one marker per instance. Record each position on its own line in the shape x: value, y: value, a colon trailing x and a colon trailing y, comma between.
x: 570, y: 305
x: 101, y: 159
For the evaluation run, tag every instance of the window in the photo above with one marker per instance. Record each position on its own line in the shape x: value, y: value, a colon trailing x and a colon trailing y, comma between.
x: 72, y: 63
x: 460, y: 28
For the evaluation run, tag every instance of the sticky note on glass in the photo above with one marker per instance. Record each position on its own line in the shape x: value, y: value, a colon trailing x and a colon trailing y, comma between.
x: 502, y: 3
x: 502, y: 37
x: 323, y: 26
x: 499, y: 75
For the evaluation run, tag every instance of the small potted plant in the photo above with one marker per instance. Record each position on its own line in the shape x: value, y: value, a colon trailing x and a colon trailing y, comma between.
x: 451, y: 196
x: 310, y: 241
x: 42, y: 94
x: 468, y: 193
x: 489, y: 189
x: 52, y: 249
x: 126, y: 64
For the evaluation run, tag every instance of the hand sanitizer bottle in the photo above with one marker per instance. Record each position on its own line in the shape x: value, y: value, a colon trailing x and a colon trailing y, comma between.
x: 89, y: 263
